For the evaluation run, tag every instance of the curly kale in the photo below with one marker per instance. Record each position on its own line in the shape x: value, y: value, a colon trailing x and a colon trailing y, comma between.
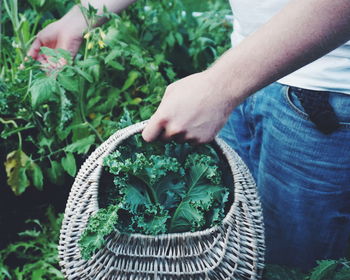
x: 155, y: 189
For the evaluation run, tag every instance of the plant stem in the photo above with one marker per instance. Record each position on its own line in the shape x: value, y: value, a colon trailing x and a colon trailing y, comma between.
x: 94, y: 130
x: 16, y: 126
x: 49, y: 155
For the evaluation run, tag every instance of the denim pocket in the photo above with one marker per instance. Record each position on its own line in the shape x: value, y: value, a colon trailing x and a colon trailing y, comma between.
x: 294, y: 103
x: 339, y: 102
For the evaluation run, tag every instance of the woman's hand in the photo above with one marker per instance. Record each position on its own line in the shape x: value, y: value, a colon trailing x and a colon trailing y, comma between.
x: 66, y: 33
x: 193, y: 109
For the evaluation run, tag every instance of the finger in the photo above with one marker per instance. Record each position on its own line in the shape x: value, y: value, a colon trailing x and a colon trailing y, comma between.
x: 35, y: 49
x: 153, y: 129
x: 173, y: 133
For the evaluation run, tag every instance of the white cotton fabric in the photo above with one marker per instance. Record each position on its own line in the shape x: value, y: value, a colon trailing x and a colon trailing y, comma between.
x: 330, y: 72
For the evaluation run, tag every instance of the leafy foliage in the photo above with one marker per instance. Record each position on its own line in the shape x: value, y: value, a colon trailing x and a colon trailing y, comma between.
x: 62, y: 113
x: 34, y: 256
x: 325, y: 270
x: 159, y: 189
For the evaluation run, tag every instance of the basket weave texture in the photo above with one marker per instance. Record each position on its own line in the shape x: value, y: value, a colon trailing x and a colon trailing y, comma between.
x: 232, y: 250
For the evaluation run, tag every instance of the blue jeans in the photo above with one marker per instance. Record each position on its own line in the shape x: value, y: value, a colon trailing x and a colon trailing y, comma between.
x: 303, y: 175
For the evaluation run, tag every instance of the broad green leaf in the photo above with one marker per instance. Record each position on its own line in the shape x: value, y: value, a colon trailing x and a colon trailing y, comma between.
x: 81, y: 146
x: 68, y: 82
x: 16, y: 165
x: 69, y: 164
x: 186, y: 218
x: 43, y: 89
x: 135, y: 195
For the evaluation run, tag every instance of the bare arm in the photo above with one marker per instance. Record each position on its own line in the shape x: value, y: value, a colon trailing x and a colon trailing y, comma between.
x: 195, y: 108
x: 302, y: 32
x: 67, y: 32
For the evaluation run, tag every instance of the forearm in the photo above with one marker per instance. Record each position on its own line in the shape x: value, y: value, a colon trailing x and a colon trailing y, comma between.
x: 302, y: 32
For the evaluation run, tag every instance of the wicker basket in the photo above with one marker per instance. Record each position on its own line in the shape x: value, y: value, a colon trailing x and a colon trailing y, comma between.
x: 232, y: 250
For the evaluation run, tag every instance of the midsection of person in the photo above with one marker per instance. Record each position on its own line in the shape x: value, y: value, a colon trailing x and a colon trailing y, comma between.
x: 329, y: 73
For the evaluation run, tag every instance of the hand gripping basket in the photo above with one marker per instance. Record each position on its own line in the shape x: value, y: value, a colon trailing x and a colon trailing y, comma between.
x: 232, y: 250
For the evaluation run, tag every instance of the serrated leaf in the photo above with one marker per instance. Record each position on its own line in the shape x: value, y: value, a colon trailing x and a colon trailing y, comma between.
x: 100, y: 224
x: 69, y: 164
x: 81, y: 146
x: 152, y: 221
x: 134, y: 195
x: 43, y: 89
x: 324, y: 270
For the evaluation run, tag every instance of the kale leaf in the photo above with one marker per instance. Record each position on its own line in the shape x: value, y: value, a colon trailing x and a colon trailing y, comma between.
x: 157, y: 188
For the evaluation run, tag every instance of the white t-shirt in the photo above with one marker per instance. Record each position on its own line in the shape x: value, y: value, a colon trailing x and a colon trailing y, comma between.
x: 330, y: 72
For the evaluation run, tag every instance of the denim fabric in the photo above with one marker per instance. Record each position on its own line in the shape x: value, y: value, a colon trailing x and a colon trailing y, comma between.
x: 302, y: 174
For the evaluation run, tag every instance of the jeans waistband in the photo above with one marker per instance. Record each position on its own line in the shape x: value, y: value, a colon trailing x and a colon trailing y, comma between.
x: 317, y: 107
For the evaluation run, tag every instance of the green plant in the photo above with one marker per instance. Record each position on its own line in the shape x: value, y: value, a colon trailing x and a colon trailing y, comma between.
x: 51, y: 118
x: 324, y: 270
x: 156, y: 188
x: 34, y: 256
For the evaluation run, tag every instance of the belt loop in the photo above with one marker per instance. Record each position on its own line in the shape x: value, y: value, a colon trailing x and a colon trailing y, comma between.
x: 316, y: 105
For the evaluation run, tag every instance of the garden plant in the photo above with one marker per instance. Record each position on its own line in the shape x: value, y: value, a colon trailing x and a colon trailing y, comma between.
x: 51, y: 118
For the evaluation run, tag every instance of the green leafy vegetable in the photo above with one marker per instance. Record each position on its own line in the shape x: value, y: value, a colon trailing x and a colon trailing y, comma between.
x: 155, y: 188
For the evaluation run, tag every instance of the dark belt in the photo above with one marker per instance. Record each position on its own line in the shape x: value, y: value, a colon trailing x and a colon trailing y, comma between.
x: 316, y: 106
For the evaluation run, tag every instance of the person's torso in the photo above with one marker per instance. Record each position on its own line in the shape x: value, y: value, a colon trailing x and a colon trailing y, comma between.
x: 331, y: 72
